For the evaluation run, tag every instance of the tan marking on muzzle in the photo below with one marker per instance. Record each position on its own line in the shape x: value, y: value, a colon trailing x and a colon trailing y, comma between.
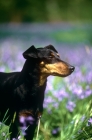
x: 56, y: 69
x: 60, y: 69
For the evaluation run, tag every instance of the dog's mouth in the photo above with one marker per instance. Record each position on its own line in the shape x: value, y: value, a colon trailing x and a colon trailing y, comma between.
x: 64, y: 74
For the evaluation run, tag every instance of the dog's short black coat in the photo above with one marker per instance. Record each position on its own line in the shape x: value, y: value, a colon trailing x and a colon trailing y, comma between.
x: 22, y: 93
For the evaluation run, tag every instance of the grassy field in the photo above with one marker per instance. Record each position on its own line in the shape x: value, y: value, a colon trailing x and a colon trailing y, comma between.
x: 68, y: 104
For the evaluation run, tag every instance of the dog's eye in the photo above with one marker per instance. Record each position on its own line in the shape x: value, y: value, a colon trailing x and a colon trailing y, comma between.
x: 51, y: 56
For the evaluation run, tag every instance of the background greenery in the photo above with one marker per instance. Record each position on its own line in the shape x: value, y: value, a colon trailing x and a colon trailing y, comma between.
x: 45, y: 10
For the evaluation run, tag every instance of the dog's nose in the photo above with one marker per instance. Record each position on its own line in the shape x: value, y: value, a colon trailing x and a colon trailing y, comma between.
x: 72, y: 68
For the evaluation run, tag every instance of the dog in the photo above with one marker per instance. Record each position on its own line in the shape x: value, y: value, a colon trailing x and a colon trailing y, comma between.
x: 22, y: 93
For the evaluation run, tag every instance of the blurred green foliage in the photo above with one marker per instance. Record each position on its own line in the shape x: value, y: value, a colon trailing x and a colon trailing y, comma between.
x: 45, y: 10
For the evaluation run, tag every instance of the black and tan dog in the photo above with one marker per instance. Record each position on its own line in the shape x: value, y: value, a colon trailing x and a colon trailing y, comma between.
x: 22, y: 93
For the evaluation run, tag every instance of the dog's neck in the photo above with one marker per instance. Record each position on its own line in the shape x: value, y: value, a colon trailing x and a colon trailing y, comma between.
x: 42, y: 80
x: 31, y: 70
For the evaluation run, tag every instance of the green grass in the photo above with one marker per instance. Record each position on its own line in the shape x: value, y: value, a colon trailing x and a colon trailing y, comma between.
x: 73, y: 126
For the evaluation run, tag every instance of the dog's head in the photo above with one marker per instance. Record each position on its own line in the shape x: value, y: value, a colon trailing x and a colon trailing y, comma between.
x: 49, y: 61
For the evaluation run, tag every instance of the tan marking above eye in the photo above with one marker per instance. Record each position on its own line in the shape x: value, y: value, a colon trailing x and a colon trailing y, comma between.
x: 42, y: 63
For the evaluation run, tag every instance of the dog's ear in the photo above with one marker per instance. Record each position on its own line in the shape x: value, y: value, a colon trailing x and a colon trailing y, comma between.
x: 30, y: 53
x: 51, y: 47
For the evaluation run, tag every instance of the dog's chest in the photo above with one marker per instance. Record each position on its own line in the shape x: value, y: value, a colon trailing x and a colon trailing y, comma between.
x: 27, y: 95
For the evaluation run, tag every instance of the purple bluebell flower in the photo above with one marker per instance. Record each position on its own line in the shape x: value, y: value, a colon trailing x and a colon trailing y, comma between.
x: 63, y: 94
x: 70, y: 106
x: 56, y: 131
x: 90, y: 121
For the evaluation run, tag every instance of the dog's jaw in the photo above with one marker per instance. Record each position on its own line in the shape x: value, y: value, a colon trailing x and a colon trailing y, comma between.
x: 60, y: 69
